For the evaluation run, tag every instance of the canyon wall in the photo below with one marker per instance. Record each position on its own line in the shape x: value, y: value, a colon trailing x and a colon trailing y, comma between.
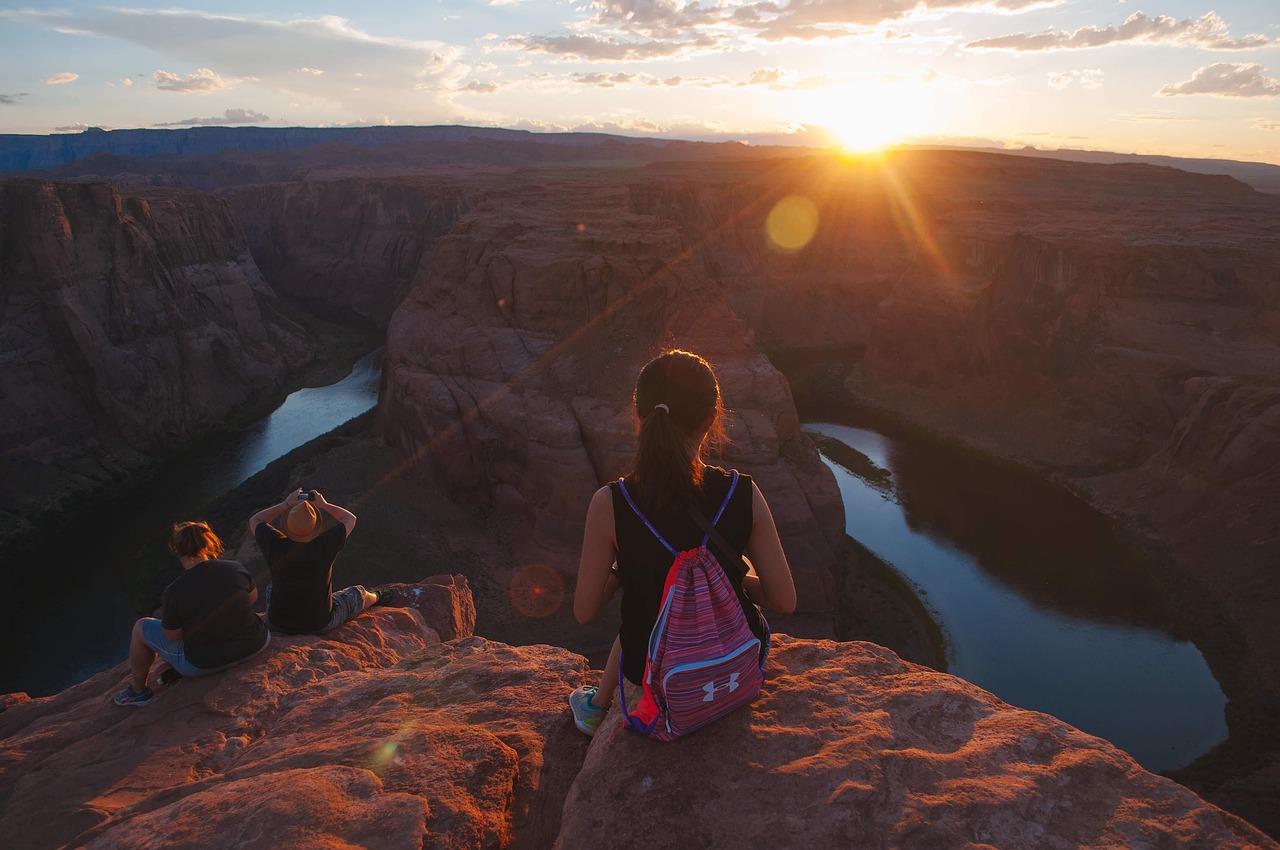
x: 380, y: 735
x: 133, y: 323
x: 510, y: 365
x: 346, y: 245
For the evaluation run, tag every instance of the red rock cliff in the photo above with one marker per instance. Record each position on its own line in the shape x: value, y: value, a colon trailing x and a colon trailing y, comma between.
x: 132, y: 324
x: 351, y: 244
x: 510, y: 365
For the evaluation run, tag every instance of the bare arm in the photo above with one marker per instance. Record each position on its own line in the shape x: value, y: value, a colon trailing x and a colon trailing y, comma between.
x: 596, y: 583
x: 269, y: 514
x: 342, y: 515
x: 768, y: 582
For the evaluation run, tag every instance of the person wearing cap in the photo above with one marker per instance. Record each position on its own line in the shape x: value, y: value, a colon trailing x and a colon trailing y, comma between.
x: 301, y: 538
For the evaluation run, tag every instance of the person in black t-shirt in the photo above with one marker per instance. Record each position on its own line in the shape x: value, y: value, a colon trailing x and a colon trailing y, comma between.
x: 207, y: 620
x: 300, y: 549
x: 679, y: 411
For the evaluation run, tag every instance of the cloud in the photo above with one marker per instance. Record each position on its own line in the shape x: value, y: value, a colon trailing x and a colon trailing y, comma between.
x: 1156, y: 118
x: 11, y: 99
x: 775, y: 79
x: 61, y: 79
x: 1090, y: 78
x: 78, y: 127
x: 403, y: 78
x: 774, y: 21
x: 127, y: 81
x: 763, y: 77
x: 592, y: 48
x: 1266, y: 124
x: 1226, y: 79
x: 478, y: 87
x: 230, y: 116
x: 1209, y: 32
x: 202, y: 81
x: 606, y: 81
x: 315, y: 72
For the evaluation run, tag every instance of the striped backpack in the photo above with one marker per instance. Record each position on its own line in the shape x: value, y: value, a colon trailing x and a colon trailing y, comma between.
x: 703, y: 660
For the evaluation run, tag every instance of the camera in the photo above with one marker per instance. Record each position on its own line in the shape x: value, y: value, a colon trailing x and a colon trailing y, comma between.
x: 305, y: 497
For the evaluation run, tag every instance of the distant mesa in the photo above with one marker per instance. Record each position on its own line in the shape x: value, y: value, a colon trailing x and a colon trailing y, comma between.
x: 33, y: 152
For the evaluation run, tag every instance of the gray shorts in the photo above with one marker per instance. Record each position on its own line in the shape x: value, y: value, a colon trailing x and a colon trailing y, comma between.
x: 346, y: 606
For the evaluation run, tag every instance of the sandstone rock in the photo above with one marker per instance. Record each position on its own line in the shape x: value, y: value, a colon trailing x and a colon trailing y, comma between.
x: 351, y: 244
x: 132, y: 325
x: 374, y: 735
x: 848, y: 746
x: 510, y: 366
x: 444, y: 601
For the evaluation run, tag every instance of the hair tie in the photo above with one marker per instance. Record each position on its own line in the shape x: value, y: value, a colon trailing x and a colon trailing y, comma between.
x: 663, y: 406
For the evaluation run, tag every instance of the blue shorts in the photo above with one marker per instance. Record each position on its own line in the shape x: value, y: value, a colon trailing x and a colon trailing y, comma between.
x: 175, y: 652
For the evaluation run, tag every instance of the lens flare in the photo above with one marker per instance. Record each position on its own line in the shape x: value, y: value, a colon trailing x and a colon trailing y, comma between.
x: 792, y: 223
x: 537, y: 590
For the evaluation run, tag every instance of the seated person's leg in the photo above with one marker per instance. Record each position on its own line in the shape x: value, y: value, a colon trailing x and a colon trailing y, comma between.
x: 141, y: 656
x: 172, y: 651
x: 347, y: 605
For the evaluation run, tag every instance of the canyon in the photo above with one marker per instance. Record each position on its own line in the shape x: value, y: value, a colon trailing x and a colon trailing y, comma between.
x: 1114, y: 327
x: 133, y: 324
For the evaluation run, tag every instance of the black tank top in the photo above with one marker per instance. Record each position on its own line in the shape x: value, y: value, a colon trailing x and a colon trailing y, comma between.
x: 643, y: 562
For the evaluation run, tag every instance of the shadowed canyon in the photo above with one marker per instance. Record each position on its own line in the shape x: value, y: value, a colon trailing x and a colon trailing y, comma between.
x: 1114, y: 329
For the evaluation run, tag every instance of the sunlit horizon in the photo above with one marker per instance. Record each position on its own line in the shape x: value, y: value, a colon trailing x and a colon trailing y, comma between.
x: 1183, y: 78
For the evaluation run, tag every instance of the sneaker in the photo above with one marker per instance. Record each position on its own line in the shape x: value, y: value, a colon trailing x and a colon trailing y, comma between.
x: 586, y: 714
x: 131, y: 697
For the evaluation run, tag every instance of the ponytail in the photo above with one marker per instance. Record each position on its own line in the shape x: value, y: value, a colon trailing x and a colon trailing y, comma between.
x: 676, y: 395
x: 194, y: 540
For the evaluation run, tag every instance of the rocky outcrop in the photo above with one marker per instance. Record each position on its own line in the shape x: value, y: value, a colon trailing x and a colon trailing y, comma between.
x: 376, y: 735
x: 349, y: 245
x: 379, y: 735
x: 510, y: 365
x: 848, y: 746
x: 132, y: 324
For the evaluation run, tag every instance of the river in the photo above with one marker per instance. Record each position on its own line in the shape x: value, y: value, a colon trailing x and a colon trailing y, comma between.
x: 1041, y: 600
x: 80, y: 612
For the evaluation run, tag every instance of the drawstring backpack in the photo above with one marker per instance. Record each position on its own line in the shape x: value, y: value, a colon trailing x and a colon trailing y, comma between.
x: 703, y: 660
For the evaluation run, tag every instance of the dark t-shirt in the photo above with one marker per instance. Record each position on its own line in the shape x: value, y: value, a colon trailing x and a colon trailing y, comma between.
x: 301, y: 577
x: 210, y: 603
x: 643, y: 563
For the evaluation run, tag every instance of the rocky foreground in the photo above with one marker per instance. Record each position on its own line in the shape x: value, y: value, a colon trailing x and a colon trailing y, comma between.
x: 382, y: 735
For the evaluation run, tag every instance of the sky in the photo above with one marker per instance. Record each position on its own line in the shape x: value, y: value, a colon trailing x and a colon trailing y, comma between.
x: 1194, y: 78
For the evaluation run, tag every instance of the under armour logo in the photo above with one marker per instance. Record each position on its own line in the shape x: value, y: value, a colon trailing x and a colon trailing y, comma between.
x: 711, y: 687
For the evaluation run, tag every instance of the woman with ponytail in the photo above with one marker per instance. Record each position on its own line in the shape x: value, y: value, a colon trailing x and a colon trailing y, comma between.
x: 680, y: 417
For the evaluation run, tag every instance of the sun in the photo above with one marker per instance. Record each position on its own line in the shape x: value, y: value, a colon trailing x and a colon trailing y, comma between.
x: 871, y: 114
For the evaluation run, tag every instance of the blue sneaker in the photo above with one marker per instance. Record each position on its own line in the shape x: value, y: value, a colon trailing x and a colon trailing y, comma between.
x: 586, y: 714
x: 131, y: 697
